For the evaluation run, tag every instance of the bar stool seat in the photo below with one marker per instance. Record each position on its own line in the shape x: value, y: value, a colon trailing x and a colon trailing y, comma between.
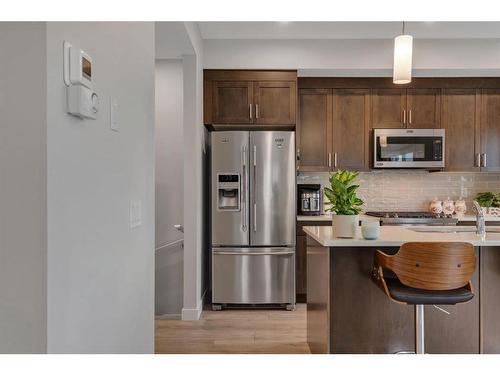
x: 414, y: 296
x: 426, y: 273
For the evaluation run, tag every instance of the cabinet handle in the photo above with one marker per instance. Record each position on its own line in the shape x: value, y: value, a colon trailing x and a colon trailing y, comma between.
x: 404, y: 116
x: 250, y: 109
x: 478, y: 160
x: 409, y: 116
x: 256, y: 111
x: 335, y: 160
x: 329, y: 159
x: 484, y: 160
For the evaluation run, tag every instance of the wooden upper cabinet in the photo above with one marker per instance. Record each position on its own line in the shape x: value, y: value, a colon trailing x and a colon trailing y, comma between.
x: 232, y: 102
x: 388, y: 106
x: 490, y: 129
x: 460, y: 119
x: 314, y: 130
x: 275, y: 102
x: 249, y: 99
x: 351, y: 121
x: 423, y: 108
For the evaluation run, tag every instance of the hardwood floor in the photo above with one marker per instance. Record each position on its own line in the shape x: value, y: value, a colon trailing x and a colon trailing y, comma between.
x: 235, y: 331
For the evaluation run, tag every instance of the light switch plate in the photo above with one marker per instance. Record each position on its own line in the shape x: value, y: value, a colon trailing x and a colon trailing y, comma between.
x: 113, y: 114
x: 135, y: 213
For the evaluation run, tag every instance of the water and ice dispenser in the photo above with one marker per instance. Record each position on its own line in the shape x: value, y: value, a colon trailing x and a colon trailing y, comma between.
x: 228, y: 192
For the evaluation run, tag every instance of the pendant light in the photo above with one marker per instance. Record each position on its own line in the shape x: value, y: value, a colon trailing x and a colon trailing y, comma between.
x: 403, y: 47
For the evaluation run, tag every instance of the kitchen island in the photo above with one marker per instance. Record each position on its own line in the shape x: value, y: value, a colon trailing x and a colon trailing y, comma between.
x: 347, y: 313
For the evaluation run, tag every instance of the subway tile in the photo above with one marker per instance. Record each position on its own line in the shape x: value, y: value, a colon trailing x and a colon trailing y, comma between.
x: 413, y: 190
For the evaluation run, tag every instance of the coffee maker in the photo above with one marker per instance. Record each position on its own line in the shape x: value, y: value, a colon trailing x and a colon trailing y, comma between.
x: 309, y: 199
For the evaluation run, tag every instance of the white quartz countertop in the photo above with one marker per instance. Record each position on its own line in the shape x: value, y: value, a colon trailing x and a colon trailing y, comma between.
x: 396, y: 236
x: 328, y: 217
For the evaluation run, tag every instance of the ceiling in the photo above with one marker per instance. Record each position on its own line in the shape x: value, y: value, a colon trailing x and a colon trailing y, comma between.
x: 171, y: 40
x: 348, y: 30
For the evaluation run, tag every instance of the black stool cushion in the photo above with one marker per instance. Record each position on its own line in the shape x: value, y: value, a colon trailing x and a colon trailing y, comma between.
x: 414, y: 296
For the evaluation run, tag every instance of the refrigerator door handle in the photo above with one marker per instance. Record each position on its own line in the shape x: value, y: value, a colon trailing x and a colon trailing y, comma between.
x: 238, y: 253
x: 244, y: 190
x: 254, y: 188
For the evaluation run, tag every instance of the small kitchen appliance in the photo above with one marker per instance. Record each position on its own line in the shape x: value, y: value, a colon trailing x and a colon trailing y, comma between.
x: 408, y: 148
x: 309, y: 200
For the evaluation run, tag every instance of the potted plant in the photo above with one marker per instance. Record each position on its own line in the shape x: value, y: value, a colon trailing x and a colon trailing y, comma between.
x: 490, y: 202
x: 344, y: 203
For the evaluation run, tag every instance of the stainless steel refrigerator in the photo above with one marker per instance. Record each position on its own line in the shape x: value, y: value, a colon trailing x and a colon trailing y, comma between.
x: 253, y: 218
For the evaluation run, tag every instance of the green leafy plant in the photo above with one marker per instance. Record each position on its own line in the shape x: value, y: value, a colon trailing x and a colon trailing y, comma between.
x: 488, y: 199
x: 341, y: 194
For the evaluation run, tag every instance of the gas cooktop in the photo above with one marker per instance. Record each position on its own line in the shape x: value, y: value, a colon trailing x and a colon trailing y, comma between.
x: 412, y: 218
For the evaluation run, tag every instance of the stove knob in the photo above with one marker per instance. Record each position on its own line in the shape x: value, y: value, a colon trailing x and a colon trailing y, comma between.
x: 386, y: 215
x: 396, y: 215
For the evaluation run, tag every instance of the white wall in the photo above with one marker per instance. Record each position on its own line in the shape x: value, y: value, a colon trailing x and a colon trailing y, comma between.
x: 101, y: 272
x: 471, y: 57
x: 194, y: 149
x: 169, y: 186
x: 23, y: 251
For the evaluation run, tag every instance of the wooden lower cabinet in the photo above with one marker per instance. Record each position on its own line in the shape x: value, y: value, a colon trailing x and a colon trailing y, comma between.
x: 363, y: 320
x: 490, y: 299
x: 301, y: 269
x: 301, y: 259
x: 457, y: 333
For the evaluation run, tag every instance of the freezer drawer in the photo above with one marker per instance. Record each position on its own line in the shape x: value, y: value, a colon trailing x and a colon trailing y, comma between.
x: 253, y: 275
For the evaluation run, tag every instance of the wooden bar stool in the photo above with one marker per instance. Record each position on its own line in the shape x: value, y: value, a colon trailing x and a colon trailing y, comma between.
x: 426, y: 273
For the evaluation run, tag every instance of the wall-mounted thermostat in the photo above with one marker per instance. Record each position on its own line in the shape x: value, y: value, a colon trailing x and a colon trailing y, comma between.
x: 82, y: 100
x: 77, y: 66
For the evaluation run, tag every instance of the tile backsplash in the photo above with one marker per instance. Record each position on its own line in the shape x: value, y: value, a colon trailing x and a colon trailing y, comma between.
x: 413, y: 190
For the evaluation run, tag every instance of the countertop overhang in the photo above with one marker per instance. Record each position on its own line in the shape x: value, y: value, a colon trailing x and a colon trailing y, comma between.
x: 396, y: 236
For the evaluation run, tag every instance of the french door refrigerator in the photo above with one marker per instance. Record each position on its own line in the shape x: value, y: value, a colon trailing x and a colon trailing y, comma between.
x: 253, y: 218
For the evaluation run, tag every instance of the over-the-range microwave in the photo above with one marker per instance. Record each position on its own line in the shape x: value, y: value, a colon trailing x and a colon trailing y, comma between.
x: 408, y: 148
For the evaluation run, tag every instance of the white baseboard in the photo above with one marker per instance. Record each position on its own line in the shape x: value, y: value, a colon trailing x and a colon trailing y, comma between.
x: 194, y: 314
x: 168, y: 317
x: 191, y: 314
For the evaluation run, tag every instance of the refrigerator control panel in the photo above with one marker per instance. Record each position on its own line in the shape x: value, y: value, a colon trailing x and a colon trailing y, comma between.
x: 228, y: 191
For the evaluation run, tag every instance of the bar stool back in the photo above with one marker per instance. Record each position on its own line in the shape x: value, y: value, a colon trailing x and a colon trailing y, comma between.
x: 427, y: 273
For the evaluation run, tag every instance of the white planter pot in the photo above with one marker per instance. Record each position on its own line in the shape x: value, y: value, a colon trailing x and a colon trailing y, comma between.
x: 345, y: 225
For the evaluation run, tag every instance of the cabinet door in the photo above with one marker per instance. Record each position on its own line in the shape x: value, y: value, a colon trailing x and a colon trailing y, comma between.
x: 232, y: 102
x: 423, y: 108
x: 460, y: 119
x: 388, y: 108
x: 351, y: 117
x: 301, y: 267
x: 490, y: 303
x: 275, y: 102
x: 490, y: 129
x: 314, y: 131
